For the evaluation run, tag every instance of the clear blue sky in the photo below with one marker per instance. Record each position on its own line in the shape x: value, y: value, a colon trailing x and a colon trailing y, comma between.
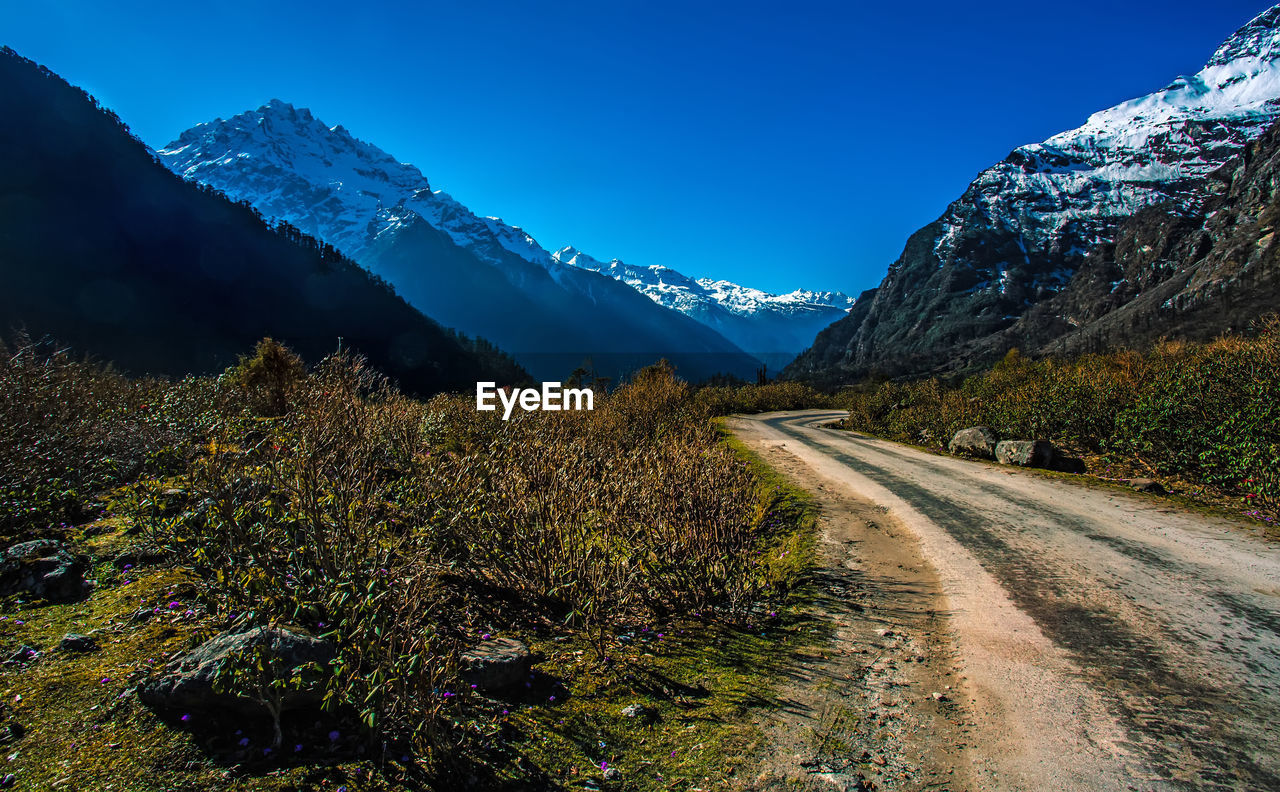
x: 778, y: 144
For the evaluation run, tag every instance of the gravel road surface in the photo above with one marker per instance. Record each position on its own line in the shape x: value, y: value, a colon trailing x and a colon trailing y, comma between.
x: 1100, y: 639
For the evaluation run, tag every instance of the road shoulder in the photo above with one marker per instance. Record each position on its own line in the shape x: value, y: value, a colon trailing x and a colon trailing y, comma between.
x: 881, y: 706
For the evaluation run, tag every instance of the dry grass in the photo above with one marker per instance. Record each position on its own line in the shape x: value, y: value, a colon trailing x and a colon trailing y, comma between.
x: 326, y: 500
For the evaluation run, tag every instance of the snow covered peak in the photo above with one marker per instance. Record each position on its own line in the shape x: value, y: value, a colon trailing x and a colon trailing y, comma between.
x: 1059, y: 198
x: 1240, y: 83
x: 1259, y: 39
x: 773, y: 327
x: 292, y: 166
x: 674, y: 289
x: 744, y: 300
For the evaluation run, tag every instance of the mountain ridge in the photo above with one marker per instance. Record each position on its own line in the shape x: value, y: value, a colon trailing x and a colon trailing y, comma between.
x: 772, y: 327
x: 290, y: 165
x: 105, y: 249
x: 475, y: 273
x: 1022, y: 229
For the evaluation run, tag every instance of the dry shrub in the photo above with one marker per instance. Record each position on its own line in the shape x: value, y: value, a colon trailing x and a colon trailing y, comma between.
x: 724, y: 400
x: 397, y: 527
x: 305, y: 520
x: 619, y: 516
x: 70, y: 429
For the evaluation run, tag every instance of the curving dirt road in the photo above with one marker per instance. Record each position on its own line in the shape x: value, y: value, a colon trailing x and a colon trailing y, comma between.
x: 1100, y: 640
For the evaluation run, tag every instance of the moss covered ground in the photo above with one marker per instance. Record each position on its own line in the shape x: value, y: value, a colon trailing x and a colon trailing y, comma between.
x: 699, y: 688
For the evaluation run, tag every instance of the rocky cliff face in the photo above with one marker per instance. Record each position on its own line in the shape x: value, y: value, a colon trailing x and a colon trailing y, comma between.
x: 1020, y: 234
x: 1171, y: 275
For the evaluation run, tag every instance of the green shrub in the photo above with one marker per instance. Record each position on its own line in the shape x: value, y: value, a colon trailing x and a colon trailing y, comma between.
x: 1205, y: 411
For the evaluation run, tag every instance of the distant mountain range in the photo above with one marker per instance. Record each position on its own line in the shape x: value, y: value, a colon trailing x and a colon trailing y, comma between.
x: 771, y: 327
x: 105, y: 250
x: 1038, y: 252
x: 481, y: 275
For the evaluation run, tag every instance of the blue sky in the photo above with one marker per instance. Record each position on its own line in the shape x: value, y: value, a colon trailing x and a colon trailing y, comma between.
x: 778, y: 144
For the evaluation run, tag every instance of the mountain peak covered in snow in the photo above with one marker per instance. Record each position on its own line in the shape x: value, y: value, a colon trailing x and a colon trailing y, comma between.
x: 1020, y: 232
x: 773, y: 327
x: 1259, y: 38
x: 294, y: 167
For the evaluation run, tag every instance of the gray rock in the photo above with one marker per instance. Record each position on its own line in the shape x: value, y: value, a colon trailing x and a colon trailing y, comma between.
x: 75, y: 642
x: 612, y: 775
x: 978, y: 441
x: 187, y: 683
x: 1025, y: 453
x: 1147, y: 485
x: 496, y: 664
x: 36, y: 548
x: 640, y: 712
x: 43, y: 568
x: 23, y: 654
x: 141, y: 615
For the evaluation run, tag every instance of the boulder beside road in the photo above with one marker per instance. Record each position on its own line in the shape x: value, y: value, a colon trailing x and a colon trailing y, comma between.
x: 1026, y: 453
x: 978, y: 441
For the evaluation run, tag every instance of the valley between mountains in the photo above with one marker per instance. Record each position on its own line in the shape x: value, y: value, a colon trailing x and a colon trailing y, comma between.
x: 259, y: 532
x: 1002, y: 630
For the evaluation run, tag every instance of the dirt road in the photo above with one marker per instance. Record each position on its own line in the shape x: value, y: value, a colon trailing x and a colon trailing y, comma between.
x: 1094, y: 639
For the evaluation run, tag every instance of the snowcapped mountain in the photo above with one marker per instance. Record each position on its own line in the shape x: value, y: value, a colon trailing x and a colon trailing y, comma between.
x: 111, y: 254
x: 476, y: 274
x: 772, y: 327
x: 293, y: 167
x: 1021, y: 230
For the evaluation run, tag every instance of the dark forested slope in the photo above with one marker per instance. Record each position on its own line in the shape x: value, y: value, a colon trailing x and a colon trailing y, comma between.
x: 104, y: 249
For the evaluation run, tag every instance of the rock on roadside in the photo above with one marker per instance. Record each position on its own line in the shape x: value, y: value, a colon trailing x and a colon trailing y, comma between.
x: 978, y: 441
x: 1025, y: 453
x: 1147, y: 485
x: 187, y: 683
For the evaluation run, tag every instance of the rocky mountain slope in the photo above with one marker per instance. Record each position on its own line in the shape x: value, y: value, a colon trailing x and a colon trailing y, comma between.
x: 1021, y: 232
x: 1171, y: 275
x: 771, y: 327
x: 105, y: 250
x: 477, y: 274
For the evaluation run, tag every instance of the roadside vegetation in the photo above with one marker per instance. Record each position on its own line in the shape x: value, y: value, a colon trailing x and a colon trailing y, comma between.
x: 770, y: 397
x: 1204, y: 415
x: 646, y: 563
